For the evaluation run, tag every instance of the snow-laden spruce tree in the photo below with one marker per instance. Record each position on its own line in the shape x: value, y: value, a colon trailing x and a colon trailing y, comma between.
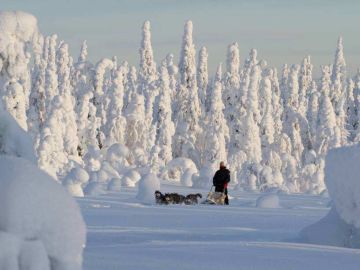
x: 116, y: 122
x: 328, y: 133
x: 291, y: 102
x: 267, y: 124
x: 231, y: 92
x: 65, y: 89
x: 251, y: 146
x: 136, y: 137
x: 245, y: 75
x: 36, y: 112
x: 339, y: 67
x: 51, y: 76
x: 188, y: 111
x: 284, y: 82
x: 277, y: 104
x: 147, y: 71
x: 216, y: 130
x: 165, y: 128
x: 100, y: 100
x: 312, y: 111
x: 131, y: 86
x: 18, y: 31
x: 202, y: 77
x: 351, y: 115
x: 51, y: 152
x: 173, y: 71
x: 253, y: 93
x: 305, y: 79
x: 265, y: 91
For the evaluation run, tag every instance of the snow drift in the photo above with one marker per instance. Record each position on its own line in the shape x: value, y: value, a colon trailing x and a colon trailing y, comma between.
x: 341, y: 227
x: 33, y: 206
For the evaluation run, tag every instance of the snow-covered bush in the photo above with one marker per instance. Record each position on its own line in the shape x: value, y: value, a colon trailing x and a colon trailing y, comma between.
x: 270, y: 200
x: 205, y: 177
x: 75, y: 180
x: 34, y: 206
x: 148, y: 184
x: 177, y: 167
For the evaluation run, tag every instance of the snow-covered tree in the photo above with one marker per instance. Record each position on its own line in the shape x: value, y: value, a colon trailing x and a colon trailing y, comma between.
x: 188, y: 111
x: 116, y: 123
x: 164, y: 127
x: 173, y: 71
x: 216, y: 130
x: 305, y: 79
x: 202, y: 77
x: 147, y: 71
x: 253, y: 93
x: 231, y: 92
x: 339, y: 66
x: 70, y: 138
x: 136, y: 138
x: 51, y: 76
x: 312, y: 111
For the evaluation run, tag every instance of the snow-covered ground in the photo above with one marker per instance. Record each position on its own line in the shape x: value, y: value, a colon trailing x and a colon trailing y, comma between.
x: 126, y: 234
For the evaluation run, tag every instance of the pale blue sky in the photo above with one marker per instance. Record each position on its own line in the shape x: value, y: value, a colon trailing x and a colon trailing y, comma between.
x: 283, y: 31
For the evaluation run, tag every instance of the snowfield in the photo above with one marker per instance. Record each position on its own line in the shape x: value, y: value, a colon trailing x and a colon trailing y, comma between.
x: 126, y: 234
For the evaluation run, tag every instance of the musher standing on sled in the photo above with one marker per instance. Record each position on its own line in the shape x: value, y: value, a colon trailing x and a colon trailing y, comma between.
x: 221, y: 180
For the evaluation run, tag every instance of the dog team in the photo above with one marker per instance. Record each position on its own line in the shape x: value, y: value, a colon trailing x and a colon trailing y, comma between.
x: 175, y: 198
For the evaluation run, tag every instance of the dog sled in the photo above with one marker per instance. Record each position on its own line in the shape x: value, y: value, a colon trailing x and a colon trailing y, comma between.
x: 214, y: 197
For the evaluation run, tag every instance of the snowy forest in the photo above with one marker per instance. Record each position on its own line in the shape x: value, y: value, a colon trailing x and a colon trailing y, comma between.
x: 107, y: 121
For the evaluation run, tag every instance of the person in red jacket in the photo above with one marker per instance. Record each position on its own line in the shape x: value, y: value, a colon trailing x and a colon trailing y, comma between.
x: 221, y: 180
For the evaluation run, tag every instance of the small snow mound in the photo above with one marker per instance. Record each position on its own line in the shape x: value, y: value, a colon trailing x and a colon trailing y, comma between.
x: 116, y: 152
x: 94, y: 189
x: 74, y: 189
x: 115, y: 184
x: 77, y: 175
x: 148, y: 184
x: 268, y: 201
x: 186, y: 178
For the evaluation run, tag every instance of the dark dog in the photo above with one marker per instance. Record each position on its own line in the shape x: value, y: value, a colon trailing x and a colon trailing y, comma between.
x: 161, y: 198
x: 192, y: 198
x: 175, y: 198
x: 169, y: 198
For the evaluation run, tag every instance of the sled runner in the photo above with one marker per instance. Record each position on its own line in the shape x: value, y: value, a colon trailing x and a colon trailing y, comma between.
x: 215, y: 197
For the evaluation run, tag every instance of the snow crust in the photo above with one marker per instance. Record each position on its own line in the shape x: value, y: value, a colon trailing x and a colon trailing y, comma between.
x: 268, y: 201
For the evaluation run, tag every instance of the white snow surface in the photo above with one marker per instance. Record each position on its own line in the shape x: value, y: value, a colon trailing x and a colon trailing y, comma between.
x: 125, y: 234
x: 34, y: 207
x: 270, y: 200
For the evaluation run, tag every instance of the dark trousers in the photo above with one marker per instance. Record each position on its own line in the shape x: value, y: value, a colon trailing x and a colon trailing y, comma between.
x: 225, y: 191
